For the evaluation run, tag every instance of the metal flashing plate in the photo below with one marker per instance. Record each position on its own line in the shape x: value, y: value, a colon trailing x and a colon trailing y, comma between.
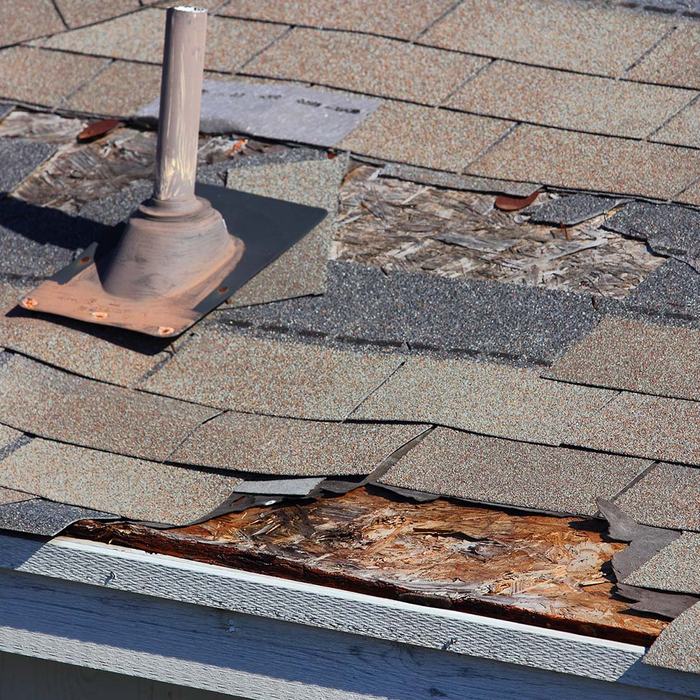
x: 268, y: 227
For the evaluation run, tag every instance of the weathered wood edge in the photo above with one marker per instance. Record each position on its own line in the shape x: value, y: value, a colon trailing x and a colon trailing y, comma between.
x: 104, y: 566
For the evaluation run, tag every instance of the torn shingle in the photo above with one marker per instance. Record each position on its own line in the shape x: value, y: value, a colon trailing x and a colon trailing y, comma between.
x: 478, y: 468
x: 41, y: 400
x: 250, y: 443
x: 481, y: 397
x: 675, y: 568
x: 279, y: 487
x: 418, y: 135
x: 636, y: 356
x: 571, y: 159
x: 581, y: 102
x: 19, y: 158
x: 469, y: 316
x: 667, y: 496
x: 581, y: 37
x: 37, y: 516
x: 642, y: 426
x: 301, y: 270
x: 132, y: 488
x: 570, y: 210
x: 78, y: 13
x: 283, y: 112
x: 678, y: 646
x: 228, y: 370
x: 400, y: 18
x: 366, y: 64
x: 25, y: 19
x: 43, y: 77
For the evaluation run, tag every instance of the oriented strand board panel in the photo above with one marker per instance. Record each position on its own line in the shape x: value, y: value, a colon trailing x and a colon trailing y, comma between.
x: 417, y: 135
x: 366, y: 64
x: 637, y: 356
x: 283, y: 446
x: 482, y: 397
x: 399, y: 18
x: 642, y: 426
x: 577, y: 36
x: 569, y: 159
x: 41, y: 400
x: 132, y: 488
x: 504, y: 472
x: 281, y: 378
x: 569, y: 100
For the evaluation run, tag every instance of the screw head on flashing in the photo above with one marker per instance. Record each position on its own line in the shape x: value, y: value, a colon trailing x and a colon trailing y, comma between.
x: 28, y: 303
x: 165, y: 330
x: 85, y: 260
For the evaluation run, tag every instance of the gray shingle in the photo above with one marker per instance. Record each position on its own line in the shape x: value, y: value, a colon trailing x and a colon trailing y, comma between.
x: 570, y: 210
x: 132, y: 488
x: 637, y: 356
x: 642, y: 426
x: 229, y: 370
x: 503, y: 472
x: 678, y: 646
x: 481, y: 397
x: 250, y: 443
x: 44, y: 401
x: 279, y: 487
x: 19, y: 158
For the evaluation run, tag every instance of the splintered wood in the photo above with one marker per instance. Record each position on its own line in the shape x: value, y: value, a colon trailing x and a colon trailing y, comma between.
x: 403, y: 225
x: 552, y: 572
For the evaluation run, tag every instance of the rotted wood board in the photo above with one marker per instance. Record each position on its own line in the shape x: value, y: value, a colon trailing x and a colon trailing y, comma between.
x: 535, y: 569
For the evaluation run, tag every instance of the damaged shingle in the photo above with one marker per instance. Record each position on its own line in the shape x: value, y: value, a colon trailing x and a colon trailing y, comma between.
x: 19, y: 158
x: 570, y: 210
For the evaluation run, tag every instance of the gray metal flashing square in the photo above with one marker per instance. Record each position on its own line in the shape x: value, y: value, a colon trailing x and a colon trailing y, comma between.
x: 280, y: 112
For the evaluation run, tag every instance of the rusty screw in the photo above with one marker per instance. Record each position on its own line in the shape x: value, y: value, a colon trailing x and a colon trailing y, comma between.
x: 165, y: 330
x: 99, y: 315
x: 29, y: 303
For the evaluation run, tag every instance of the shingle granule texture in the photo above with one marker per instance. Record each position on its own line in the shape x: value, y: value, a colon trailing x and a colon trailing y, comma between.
x: 666, y: 497
x: 585, y: 38
x: 678, y: 646
x: 118, y: 91
x: 44, y: 401
x: 11, y: 496
x: 132, y: 488
x: 37, y: 516
x: 229, y: 370
x: 642, y: 426
x: 683, y: 129
x: 367, y: 64
x: 675, y: 61
x: 19, y: 158
x: 481, y: 397
x: 637, y: 356
x: 43, y: 77
x: 675, y: 568
x: 26, y: 19
x: 570, y: 210
x: 139, y: 37
x: 472, y: 316
x: 79, y: 12
x: 583, y: 102
x: 8, y: 436
x: 418, y: 135
x: 590, y: 162
x: 302, y: 269
x: 504, y: 472
x: 400, y: 18
x: 250, y: 443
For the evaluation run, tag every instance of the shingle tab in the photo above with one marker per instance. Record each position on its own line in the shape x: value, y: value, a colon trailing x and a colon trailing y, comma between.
x: 366, y: 64
x: 667, y: 497
x: 678, y: 646
x: 417, y: 135
x: 570, y: 210
x: 19, y: 158
x: 229, y: 370
x: 481, y: 397
x: 44, y: 401
x: 139, y: 37
x: 400, y: 18
x: 503, y: 472
x: 43, y: 77
x: 675, y: 568
x: 642, y: 426
x: 569, y: 159
x: 569, y: 100
x: 683, y: 129
x: 637, y: 356
x: 250, y: 443
x: 25, y: 19
x: 582, y: 37
x: 132, y: 488
x: 674, y: 61
x: 78, y: 13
